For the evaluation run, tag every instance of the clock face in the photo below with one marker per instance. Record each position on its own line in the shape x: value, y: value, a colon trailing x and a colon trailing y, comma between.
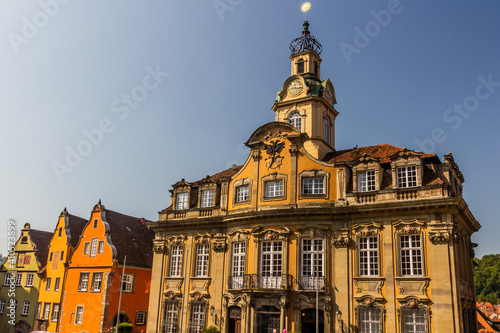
x: 295, y: 87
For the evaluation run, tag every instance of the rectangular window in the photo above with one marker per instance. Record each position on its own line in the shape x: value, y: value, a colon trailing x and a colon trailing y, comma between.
x: 407, y: 176
x: 26, y: 308
x: 242, y: 193
x: 207, y: 198
x: 414, y: 320
x: 20, y: 260
x: 176, y: 261
x: 96, y: 282
x: 57, y: 282
x: 197, y: 320
x: 101, y: 247
x: 202, y: 252
x: 55, y: 312
x: 62, y: 256
x: 366, y: 181
x: 86, y: 248
x: 182, y: 201
x: 2, y: 305
x: 50, y: 256
x: 47, y: 284
x: 274, y: 189
x: 369, y: 320
x: 238, y: 265
x: 46, y: 311
x: 39, y: 310
x: 312, y: 264
x: 93, y: 247
x: 170, y: 317
x: 7, y: 278
x: 95, y: 223
x: 79, y: 315
x: 128, y: 283
x: 84, y: 282
x: 19, y: 279
x: 411, y: 255
x: 140, y: 318
x: 368, y: 256
x: 29, y: 279
x: 271, y: 264
x: 313, y: 186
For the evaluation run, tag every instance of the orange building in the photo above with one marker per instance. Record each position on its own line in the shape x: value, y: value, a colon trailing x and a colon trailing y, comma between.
x: 91, y: 296
x: 63, y: 241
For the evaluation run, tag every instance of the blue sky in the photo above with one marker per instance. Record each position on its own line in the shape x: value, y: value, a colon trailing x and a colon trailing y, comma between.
x: 203, y: 75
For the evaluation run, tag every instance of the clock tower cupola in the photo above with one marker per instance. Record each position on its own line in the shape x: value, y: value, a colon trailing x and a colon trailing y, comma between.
x: 305, y: 101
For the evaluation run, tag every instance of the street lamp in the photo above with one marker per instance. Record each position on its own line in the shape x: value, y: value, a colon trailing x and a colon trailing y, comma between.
x: 339, y: 319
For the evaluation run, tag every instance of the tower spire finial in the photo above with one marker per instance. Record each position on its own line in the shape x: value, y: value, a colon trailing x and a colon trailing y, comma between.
x: 305, y: 8
x: 306, y: 42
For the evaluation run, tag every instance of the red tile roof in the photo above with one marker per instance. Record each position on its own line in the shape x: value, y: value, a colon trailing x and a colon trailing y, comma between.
x: 131, y: 238
x: 484, y: 325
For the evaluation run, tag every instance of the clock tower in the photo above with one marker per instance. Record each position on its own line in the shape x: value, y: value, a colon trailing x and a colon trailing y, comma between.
x: 305, y: 101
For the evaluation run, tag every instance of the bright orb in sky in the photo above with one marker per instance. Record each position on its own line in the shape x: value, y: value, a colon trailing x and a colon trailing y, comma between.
x: 305, y: 7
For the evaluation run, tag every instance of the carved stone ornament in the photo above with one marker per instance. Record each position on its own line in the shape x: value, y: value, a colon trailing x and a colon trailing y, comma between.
x: 274, y: 149
x: 268, y: 235
x: 341, y: 241
x: 293, y: 150
x: 176, y: 239
x: 202, y: 238
x: 367, y: 232
x: 159, y: 248
x: 271, y: 235
x: 274, y: 135
x: 441, y: 237
x: 408, y: 230
x: 220, y: 246
x: 256, y: 155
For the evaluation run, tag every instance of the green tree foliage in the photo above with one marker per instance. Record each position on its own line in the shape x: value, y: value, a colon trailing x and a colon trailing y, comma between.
x: 211, y: 329
x: 487, y: 278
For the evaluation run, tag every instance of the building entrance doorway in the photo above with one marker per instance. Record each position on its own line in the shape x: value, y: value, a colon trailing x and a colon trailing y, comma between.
x: 268, y: 319
x: 308, y: 321
x: 234, y: 319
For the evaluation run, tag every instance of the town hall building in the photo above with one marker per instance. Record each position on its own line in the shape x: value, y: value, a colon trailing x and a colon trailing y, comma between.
x: 369, y: 239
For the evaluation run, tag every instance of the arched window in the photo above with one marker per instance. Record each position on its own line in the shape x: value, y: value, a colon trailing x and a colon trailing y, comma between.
x: 327, y: 129
x: 295, y: 119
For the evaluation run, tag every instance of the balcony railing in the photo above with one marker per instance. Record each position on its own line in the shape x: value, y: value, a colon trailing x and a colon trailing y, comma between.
x: 262, y: 281
x: 312, y: 282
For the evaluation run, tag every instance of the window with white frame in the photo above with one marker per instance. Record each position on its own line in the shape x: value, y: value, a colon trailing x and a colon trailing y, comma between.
x: 46, y: 310
x: 84, y: 282
x: 413, y: 320
x: 368, y: 256
x: 407, y: 176
x: 366, y: 181
x: 182, y: 201
x: 19, y: 279
x: 295, y: 119
x: 242, y: 193
x: 313, y: 186
x: 202, y: 252
x: 96, y: 282
x: 170, y: 317
x: 273, y: 189
x: 411, y: 255
x: 55, y: 312
x: 29, y: 279
x: 207, y: 198
x: 140, y: 318
x: 128, y: 283
x: 7, y: 278
x: 328, y: 125
x: 176, y: 261
x: 312, y: 271
x: 100, y: 249
x: 26, y: 308
x: 86, y: 248
x: 369, y: 320
x: 197, y: 319
x: 47, y: 283
x: 271, y: 264
x: 238, y: 264
x: 38, y: 310
x: 93, y: 247
x: 57, y: 282
x: 3, y: 301
x: 79, y: 315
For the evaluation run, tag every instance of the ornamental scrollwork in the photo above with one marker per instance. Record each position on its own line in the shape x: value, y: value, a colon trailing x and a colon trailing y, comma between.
x: 220, y: 246
x: 274, y: 135
x: 159, y: 248
x: 341, y: 241
x: 440, y: 237
x: 408, y: 230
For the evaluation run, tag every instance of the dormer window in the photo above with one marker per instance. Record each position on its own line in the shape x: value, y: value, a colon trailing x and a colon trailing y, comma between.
x: 207, y: 198
x: 295, y: 119
x: 181, y: 201
x: 366, y: 181
x: 300, y: 66
x: 407, y: 176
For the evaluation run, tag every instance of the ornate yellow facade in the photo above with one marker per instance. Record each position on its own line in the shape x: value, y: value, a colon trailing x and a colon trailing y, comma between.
x: 370, y: 239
